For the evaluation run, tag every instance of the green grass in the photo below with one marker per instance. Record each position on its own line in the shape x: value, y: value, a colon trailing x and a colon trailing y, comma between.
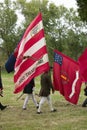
x: 67, y: 117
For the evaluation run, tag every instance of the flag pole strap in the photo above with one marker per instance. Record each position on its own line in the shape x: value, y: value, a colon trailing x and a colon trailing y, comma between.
x: 33, y: 58
x: 19, y: 96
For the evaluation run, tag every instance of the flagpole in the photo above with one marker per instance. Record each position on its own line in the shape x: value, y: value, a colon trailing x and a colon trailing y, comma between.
x: 0, y: 77
x: 51, y: 48
x: 40, y: 5
x: 0, y: 71
x: 20, y: 96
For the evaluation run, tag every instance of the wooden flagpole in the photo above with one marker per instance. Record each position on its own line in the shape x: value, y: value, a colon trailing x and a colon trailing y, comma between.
x: 0, y: 77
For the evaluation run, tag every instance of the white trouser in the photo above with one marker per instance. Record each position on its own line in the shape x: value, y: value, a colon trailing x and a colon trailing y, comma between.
x: 43, y: 99
x: 27, y: 98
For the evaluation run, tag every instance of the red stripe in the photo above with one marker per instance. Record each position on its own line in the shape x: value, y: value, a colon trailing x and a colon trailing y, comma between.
x: 42, y: 68
x: 30, y: 43
x: 33, y: 23
x: 33, y: 40
x: 38, y: 71
x: 29, y: 62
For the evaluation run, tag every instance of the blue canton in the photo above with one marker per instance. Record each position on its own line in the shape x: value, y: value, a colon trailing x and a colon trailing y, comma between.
x: 58, y: 58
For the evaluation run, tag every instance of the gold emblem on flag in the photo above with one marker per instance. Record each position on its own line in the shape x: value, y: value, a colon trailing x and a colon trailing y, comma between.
x: 64, y: 77
x: 35, y: 30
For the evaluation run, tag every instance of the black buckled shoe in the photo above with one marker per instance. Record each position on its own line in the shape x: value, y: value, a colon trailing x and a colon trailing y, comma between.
x: 39, y: 112
x: 2, y: 107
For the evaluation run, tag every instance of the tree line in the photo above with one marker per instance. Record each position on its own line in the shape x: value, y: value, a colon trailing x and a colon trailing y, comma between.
x: 65, y: 29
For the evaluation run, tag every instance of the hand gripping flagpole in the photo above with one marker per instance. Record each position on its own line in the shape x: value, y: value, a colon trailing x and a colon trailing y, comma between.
x: 20, y: 96
x: 33, y: 58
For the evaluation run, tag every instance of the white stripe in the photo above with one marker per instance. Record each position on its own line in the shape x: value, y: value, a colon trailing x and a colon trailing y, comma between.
x: 25, y: 75
x: 74, y: 84
x: 33, y: 49
x: 44, y: 59
x: 38, y: 45
x: 29, y: 36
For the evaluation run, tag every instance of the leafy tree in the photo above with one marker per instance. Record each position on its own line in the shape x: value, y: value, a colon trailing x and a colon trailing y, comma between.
x: 82, y: 4
x: 64, y: 29
x: 67, y: 32
x: 9, y: 33
x: 75, y: 29
x: 50, y: 17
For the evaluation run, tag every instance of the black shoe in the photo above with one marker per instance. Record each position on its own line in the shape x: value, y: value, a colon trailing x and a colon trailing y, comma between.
x: 84, y: 103
x: 39, y: 112
x: 37, y: 107
x: 54, y: 110
x: 3, y: 107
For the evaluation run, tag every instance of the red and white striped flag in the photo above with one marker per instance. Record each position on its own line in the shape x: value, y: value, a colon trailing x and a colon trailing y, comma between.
x: 32, y: 58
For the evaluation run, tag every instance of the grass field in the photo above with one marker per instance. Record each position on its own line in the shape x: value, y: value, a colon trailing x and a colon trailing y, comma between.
x: 67, y: 117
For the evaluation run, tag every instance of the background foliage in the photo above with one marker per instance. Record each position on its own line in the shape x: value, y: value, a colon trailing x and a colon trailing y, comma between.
x: 82, y: 9
x: 64, y: 28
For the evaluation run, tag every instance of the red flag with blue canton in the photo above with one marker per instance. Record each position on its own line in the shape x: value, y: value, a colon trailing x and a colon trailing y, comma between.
x: 66, y: 77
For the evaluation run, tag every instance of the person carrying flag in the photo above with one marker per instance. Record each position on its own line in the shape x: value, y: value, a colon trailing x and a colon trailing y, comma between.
x: 46, y: 87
